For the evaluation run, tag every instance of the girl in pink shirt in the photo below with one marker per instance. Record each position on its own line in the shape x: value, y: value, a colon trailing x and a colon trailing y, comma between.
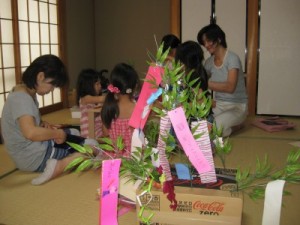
x: 119, y: 105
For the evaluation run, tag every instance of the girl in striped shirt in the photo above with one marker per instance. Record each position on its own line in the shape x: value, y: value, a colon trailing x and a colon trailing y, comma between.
x: 90, y: 86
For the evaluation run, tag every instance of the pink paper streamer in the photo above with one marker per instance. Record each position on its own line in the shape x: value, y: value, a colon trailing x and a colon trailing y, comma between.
x: 137, y: 119
x: 205, y: 146
x: 187, y: 140
x: 165, y: 126
x: 109, y: 192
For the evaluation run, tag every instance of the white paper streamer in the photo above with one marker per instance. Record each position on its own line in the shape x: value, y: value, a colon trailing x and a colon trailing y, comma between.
x: 137, y: 140
x: 155, y: 162
x: 273, y: 199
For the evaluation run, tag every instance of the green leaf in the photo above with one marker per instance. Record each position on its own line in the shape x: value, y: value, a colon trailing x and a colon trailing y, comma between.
x: 77, y: 147
x: 106, y: 147
x: 120, y: 143
x: 277, y: 175
x: 197, y: 136
x: 74, y: 163
x: 257, y: 193
x: 84, y: 165
x: 164, y: 56
x: 106, y: 140
x: 88, y: 149
x: 97, y: 164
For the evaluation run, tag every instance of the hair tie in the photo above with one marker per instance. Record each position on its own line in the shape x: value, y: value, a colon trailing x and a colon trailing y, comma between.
x: 113, y: 89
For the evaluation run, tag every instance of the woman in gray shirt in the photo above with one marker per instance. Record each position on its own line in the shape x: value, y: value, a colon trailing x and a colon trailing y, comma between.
x: 226, y: 80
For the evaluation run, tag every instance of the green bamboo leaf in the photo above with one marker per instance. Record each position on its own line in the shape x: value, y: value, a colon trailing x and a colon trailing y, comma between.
x: 159, y: 53
x: 77, y: 147
x: 197, y: 136
x: 245, y: 174
x: 191, y: 83
x: 136, y: 154
x: 238, y: 175
x: 164, y: 55
x: 84, y: 165
x: 297, y: 155
x: 293, y: 156
x: 74, y: 163
x: 106, y: 140
x: 120, y: 143
x: 106, y: 147
x: 257, y: 193
x: 195, y: 128
x: 151, y: 56
x: 277, y: 175
x: 158, y: 111
x: 258, y: 164
x: 88, y: 149
x: 293, y: 168
x: 97, y: 164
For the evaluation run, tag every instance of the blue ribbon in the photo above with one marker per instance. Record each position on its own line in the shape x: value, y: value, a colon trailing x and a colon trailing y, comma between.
x: 154, y: 96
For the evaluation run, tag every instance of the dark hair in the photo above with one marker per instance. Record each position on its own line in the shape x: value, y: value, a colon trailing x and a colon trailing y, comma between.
x: 170, y: 41
x: 190, y: 54
x: 86, y: 80
x: 125, y: 78
x: 103, y: 80
x: 51, y: 66
x: 213, y: 33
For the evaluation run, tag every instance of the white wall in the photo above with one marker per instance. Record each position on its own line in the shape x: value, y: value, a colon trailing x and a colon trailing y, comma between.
x: 279, y: 60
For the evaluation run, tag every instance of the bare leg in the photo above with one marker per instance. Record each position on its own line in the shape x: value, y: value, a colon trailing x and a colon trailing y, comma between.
x: 54, y: 168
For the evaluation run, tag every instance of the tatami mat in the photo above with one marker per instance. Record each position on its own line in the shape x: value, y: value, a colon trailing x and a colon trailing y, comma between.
x: 250, y: 131
x: 244, y: 154
x: 71, y: 199
x: 6, y: 163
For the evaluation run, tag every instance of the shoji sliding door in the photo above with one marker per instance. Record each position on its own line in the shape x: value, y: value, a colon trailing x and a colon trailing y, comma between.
x: 28, y: 29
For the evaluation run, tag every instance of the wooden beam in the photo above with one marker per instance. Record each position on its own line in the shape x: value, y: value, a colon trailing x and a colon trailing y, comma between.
x: 175, y: 17
x: 252, y: 57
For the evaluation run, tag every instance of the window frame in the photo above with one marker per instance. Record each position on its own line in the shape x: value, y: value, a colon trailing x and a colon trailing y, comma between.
x: 17, y: 52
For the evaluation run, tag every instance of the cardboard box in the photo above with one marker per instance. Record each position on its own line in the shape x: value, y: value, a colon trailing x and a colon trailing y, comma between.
x: 75, y: 112
x: 225, y: 181
x: 195, y: 206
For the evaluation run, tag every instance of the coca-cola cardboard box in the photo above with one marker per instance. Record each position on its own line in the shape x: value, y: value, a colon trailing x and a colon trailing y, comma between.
x: 195, y: 206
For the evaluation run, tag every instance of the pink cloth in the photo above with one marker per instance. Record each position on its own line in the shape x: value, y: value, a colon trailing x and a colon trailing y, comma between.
x: 120, y: 127
x: 84, y: 126
x: 273, y: 124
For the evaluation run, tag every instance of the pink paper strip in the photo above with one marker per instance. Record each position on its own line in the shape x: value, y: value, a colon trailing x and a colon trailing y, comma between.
x: 137, y: 120
x: 187, y: 141
x: 205, y: 146
x: 109, y: 192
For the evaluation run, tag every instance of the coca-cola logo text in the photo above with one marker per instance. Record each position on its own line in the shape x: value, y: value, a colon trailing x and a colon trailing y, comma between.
x: 211, y: 207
